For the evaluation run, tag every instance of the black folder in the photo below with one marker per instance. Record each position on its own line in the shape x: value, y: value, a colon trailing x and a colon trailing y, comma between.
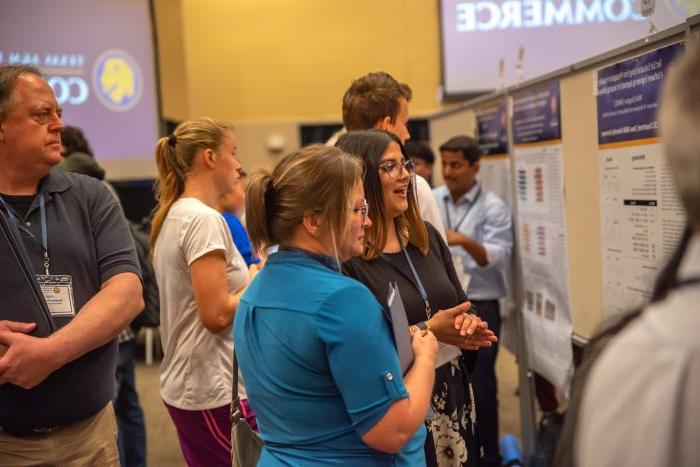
x: 23, y: 301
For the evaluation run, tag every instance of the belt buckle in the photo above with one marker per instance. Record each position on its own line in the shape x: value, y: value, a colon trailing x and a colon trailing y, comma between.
x: 29, y: 432
x: 44, y: 430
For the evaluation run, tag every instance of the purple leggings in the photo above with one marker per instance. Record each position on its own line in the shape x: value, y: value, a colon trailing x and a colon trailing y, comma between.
x: 205, y: 435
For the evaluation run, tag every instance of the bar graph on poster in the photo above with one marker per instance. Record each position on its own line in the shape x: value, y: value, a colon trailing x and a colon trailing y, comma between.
x: 541, y: 231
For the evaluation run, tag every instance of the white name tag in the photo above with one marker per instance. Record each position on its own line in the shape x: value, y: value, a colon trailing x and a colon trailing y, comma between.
x: 58, y: 293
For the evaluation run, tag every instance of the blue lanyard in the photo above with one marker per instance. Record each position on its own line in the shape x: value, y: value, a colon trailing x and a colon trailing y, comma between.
x: 44, y: 233
x: 419, y: 284
x: 464, y: 217
x: 14, y: 217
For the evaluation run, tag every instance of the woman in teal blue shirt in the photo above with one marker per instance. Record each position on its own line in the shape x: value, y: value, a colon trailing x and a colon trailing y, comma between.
x: 315, y: 351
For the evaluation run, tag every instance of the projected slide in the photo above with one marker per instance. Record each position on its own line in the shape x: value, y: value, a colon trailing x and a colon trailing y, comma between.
x: 98, y: 58
x: 476, y: 34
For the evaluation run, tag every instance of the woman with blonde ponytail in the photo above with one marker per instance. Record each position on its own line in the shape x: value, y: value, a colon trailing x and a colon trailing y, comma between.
x: 201, y: 277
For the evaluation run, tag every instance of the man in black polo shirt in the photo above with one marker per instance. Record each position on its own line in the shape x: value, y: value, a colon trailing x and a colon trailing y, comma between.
x: 55, y: 391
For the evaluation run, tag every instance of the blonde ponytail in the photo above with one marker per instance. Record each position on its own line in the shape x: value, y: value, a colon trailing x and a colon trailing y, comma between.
x: 174, y: 157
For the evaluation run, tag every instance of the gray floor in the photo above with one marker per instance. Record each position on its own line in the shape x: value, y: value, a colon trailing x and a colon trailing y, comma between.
x: 164, y: 450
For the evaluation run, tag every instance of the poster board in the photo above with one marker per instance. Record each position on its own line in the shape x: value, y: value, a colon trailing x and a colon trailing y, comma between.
x: 581, y: 184
x: 495, y: 175
x: 642, y: 218
x: 541, y: 229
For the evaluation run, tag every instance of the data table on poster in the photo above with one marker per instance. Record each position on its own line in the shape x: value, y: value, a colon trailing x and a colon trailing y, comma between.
x: 641, y: 215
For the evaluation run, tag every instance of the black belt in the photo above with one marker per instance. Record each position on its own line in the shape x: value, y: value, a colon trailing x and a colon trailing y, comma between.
x: 24, y: 432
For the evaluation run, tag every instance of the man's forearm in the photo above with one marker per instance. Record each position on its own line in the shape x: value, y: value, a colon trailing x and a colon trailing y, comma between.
x: 477, y: 251
x: 101, y: 319
x: 474, y: 248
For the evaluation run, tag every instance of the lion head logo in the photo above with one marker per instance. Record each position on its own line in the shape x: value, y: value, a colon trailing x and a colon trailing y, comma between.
x: 117, y: 80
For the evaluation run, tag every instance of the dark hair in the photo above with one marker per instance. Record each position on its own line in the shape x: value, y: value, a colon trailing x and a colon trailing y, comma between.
x: 73, y: 139
x: 668, y: 276
x: 316, y: 178
x: 419, y: 150
x: 8, y: 79
x: 467, y: 145
x: 371, y: 145
x: 371, y: 98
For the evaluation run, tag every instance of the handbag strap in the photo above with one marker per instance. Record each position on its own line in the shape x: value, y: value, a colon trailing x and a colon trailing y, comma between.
x: 235, y: 400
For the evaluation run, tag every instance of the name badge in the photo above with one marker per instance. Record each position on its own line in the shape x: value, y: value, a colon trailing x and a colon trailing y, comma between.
x: 58, y: 293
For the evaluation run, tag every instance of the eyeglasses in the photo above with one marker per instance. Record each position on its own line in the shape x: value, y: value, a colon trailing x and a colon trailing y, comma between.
x: 363, y: 210
x: 395, y: 169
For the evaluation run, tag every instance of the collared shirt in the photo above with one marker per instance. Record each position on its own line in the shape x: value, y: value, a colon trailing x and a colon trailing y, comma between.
x: 320, y: 365
x: 484, y: 217
x: 88, y: 239
x: 642, y: 400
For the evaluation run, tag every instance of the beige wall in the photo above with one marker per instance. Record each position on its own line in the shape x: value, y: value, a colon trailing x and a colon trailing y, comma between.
x: 268, y: 66
x: 171, y: 59
x: 582, y: 202
x: 250, y: 61
x: 252, y: 140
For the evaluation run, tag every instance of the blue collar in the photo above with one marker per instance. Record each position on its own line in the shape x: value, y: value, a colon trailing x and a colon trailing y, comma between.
x: 55, y: 182
x: 325, y: 260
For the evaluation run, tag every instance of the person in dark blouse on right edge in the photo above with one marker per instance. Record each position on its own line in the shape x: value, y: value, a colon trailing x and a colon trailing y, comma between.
x: 403, y: 249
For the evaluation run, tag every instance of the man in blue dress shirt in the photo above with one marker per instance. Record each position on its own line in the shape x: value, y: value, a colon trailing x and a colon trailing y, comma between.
x: 479, y: 232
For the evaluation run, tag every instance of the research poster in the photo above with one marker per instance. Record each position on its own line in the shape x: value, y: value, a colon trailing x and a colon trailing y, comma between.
x: 641, y: 216
x: 492, y: 135
x: 495, y: 176
x: 541, y: 229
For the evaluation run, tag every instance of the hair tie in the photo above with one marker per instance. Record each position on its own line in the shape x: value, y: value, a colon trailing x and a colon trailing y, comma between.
x: 270, y: 203
x: 172, y: 140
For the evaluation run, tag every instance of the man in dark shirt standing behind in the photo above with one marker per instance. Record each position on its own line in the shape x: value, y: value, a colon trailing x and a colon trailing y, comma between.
x: 55, y: 391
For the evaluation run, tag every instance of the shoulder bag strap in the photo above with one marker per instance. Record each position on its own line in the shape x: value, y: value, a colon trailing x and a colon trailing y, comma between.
x: 235, y: 400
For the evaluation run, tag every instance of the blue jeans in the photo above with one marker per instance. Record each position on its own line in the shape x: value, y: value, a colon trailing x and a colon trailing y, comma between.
x: 132, y: 429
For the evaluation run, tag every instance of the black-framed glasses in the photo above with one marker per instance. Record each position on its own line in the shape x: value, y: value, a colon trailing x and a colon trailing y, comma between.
x: 394, y: 169
x: 363, y: 210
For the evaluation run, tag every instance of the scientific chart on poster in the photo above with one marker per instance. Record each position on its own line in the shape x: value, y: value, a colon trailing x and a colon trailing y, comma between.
x: 495, y: 176
x: 642, y: 218
x: 541, y: 227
